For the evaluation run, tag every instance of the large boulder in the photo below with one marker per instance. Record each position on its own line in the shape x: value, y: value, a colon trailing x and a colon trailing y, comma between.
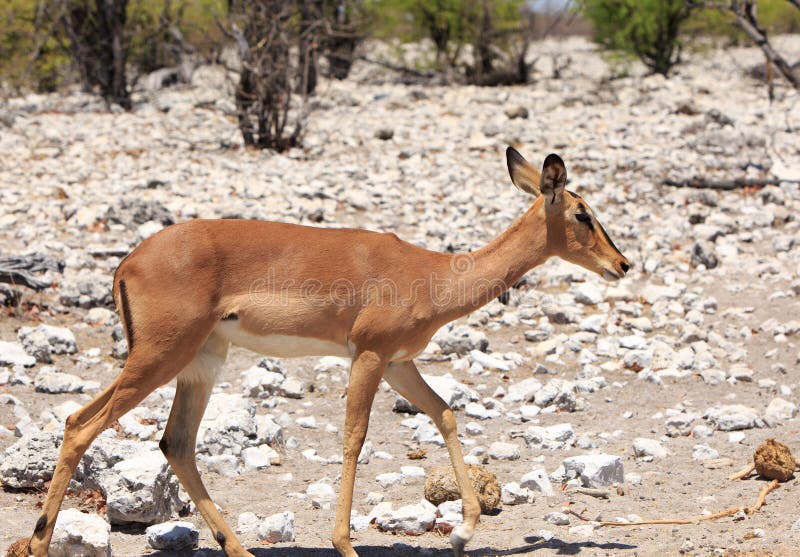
x: 142, y: 489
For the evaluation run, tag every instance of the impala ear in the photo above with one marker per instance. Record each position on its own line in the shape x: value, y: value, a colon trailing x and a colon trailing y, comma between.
x: 523, y: 174
x: 554, y: 178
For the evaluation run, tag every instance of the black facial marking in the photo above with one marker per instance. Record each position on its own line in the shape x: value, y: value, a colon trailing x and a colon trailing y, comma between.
x: 584, y: 216
x: 573, y: 194
x: 605, y: 235
x: 40, y: 524
x: 221, y: 539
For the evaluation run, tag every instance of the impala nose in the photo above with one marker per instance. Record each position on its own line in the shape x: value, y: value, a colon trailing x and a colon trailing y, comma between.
x: 625, y: 267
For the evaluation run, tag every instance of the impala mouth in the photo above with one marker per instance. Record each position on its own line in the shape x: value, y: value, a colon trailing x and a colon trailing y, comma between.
x: 611, y: 275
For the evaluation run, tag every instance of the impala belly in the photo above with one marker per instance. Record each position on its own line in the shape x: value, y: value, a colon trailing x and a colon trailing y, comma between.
x: 280, y: 346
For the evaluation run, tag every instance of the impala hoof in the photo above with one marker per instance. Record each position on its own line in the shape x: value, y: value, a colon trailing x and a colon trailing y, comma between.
x: 458, y: 540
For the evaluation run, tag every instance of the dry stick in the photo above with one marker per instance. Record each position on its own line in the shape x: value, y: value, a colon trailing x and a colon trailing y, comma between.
x: 727, y: 512
x: 736, y: 183
x: 599, y: 493
x: 743, y: 473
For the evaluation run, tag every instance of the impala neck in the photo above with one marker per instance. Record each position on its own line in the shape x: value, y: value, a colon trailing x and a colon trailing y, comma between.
x: 482, y: 275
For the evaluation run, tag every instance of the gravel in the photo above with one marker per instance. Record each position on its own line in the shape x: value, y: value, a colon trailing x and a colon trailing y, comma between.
x: 694, y: 353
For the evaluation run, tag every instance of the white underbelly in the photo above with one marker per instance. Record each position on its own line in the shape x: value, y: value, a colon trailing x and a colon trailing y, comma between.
x: 280, y: 346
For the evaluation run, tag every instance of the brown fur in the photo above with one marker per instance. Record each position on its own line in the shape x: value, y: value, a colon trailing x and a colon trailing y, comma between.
x: 176, y: 288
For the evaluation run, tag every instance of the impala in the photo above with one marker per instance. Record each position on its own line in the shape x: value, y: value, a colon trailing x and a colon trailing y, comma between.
x: 185, y: 294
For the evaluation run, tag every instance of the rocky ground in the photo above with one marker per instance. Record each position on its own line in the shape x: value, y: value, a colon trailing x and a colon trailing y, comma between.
x: 662, y: 384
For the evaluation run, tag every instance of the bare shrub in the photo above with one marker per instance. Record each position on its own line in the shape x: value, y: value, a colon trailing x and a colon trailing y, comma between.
x: 264, y: 31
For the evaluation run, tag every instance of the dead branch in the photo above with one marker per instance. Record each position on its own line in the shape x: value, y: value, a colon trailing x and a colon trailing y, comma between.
x: 17, y: 269
x: 745, y: 12
x: 762, y: 496
x: 398, y: 68
x: 599, y: 493
x: 743, y: 473
x: 727, y: 185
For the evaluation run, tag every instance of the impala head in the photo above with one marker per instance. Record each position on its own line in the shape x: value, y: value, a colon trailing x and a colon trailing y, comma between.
x: 573, y: 231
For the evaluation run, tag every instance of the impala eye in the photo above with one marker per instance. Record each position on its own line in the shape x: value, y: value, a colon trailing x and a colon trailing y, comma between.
x: 583, y: 217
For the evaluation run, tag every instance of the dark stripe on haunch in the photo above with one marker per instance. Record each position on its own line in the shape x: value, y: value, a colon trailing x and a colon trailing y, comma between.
x: 126, y: 313
x: 40, y: 524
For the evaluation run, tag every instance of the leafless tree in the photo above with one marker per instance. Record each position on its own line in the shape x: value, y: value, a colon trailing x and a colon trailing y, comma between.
x: 492, y: 64
x: 264, y: 32
x: 746, y: 15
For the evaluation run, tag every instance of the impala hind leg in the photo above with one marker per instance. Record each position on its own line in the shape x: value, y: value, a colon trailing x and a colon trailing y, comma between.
x: 138, y: 379
x: 365, y: 376
x: 406, y: 380
x: 178, y: 442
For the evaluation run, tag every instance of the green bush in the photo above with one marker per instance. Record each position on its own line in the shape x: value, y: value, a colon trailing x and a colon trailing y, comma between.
x: 27, y: 60
x: 492, y: 28
x: 648, y: 29
x: 32, y: 58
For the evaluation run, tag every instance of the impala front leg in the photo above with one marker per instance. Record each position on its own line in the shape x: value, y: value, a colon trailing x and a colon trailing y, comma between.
x: 404, y: 378
x: 365, y: 375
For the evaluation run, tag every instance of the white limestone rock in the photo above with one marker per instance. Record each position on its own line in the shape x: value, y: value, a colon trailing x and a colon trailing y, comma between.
x: 504, y: 451
x: 29, y: 463
x: 228, y: 425
x: 50, y: 380
x: 455, y: 394
x: 450, y: 516
x: 595, y: 470
x: 262, y: 456
x: 643, y: 447
x: 537, y: 481
x: 223, y: 464
x: 258, y: 382
x: 276, y: 528
x: 460, y: 339
x: 410, y: 519
x: 44, y: 340
x: 78, y: 534
x: 780, y: 410
x: 556, y: 518
x: 704, y: 452
x: 552, y: 437
x: 732, y: 417
x: 514, y: 494
x: 142, y: 489
x: 172, y: 536
x: 13, y: 354
x: 523, y: 391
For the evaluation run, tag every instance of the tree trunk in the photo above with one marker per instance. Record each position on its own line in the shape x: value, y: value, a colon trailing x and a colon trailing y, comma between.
x: 745, y: 12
